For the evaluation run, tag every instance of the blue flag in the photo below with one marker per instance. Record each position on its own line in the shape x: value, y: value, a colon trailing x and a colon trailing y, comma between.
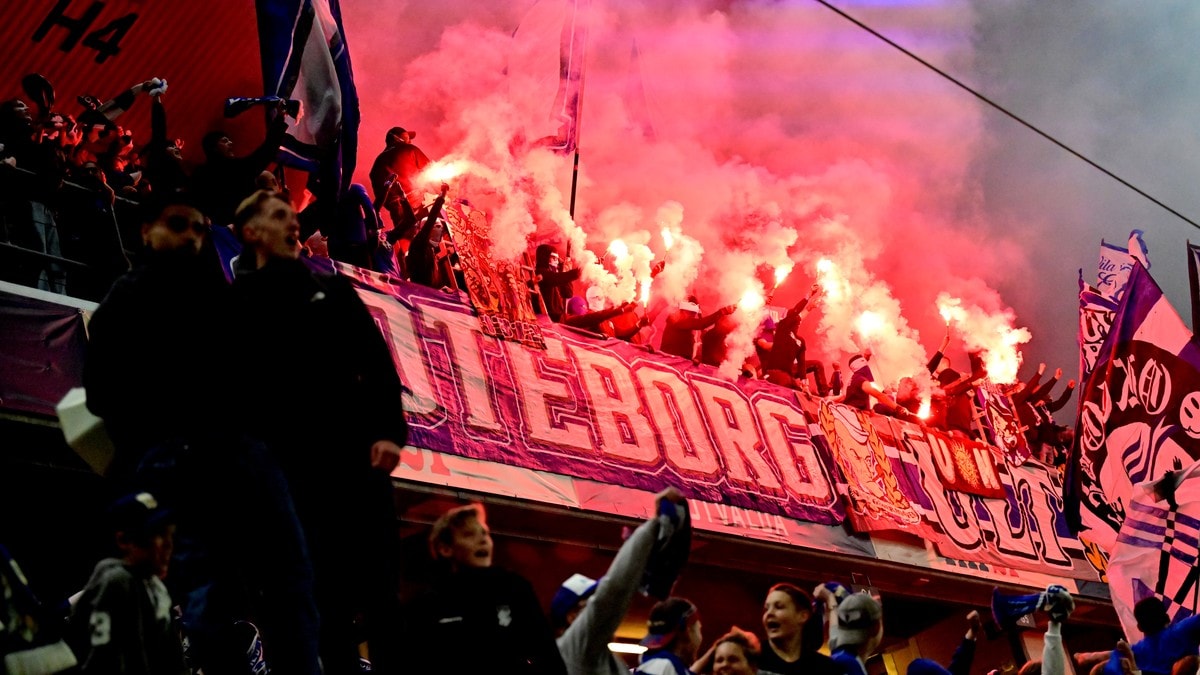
x: 305, y: 57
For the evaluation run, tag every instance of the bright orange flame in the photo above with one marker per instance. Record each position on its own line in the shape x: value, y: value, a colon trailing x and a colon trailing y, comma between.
x: 668, y: 238
x: 751, y: 300
x: 781, y: 273
x: 440, y: 172
x: 924, y: 411
x: 645, y: 292
x: 868, y: 323
x: 619, y: 249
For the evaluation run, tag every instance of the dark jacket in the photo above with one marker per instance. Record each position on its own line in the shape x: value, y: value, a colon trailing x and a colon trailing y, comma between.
x: 555, y: 285
x: 480, y: 621
x: 156, y: 353
x: 679, y: 333
x: 320, y: 379
x: 222, y: 183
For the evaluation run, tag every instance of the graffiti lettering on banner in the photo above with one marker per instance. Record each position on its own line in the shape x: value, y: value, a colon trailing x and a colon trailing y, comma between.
x: 877, y: 501
x: 610, y: 412
x: 965, y: 465
x: 497, y: 288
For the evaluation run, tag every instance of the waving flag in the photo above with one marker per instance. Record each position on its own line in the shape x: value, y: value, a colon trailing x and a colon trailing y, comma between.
x: 1139, y: 413
x: 547, y: 25
x: 1156, y: 551
x: 305, y: 57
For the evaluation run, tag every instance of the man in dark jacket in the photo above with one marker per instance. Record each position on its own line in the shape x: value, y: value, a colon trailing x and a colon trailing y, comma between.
x: 788, y: 349
x: 156, y: 363
x: 336, y: 429
x: 225, y: 179
x: 553, y: 281
x: 392, y: 180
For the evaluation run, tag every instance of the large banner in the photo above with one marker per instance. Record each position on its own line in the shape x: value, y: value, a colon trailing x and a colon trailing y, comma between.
x: 620, y: 414
x: 1139, y: 409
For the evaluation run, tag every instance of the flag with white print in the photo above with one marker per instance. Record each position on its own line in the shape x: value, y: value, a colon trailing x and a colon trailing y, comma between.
x: 1156, y: 550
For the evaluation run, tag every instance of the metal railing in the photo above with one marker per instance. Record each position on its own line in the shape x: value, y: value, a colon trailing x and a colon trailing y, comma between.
x: 78, y: 253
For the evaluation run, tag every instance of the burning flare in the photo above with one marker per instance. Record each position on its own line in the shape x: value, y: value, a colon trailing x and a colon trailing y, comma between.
x: 442, y: 171
x: 668, y: 238
x: 645, y: 293
x: 781, y: 273
x: 868, y: 323
x: 751, y: 300
x: 950, y: 308
x: 619, y: 249
x: 924, y: 411
x: 828, y: 277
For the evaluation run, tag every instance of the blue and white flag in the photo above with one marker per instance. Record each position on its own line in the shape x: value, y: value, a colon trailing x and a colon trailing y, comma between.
x: 1156, y: 551
x: 305, y: 57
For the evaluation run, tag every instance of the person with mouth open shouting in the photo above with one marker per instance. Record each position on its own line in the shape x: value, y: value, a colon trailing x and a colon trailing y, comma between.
x: 475, y: 618
x: 794, y: 634
x: 336, y: 430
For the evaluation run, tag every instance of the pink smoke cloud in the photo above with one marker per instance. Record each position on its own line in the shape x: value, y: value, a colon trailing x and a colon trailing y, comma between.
x: 758, y: 134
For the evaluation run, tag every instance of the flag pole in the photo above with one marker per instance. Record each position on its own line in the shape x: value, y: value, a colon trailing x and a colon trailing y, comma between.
x: 575, y: 172
x: 575, y: 19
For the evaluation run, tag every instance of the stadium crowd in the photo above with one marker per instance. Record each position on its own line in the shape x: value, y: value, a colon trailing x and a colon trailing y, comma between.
x: 295, y: 556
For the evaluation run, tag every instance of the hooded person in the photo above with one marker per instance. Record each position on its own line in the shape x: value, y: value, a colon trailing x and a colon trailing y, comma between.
x: 586, y: 612
x: 553, y: 281
x: 862, y: 388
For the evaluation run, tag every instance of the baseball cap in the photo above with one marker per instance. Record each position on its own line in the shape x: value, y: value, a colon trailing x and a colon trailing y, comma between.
x: 138, y: 514
x: 400, y: 131
x: 857, y: 619
x: 667, y: 620
x: 574, y: 589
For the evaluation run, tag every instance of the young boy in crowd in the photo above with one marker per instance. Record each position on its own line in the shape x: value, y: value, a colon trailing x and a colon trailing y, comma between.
x: 122, y: 621
x: 476, y: 618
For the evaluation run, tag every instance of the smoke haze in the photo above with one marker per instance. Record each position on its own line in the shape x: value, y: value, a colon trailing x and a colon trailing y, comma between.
x: 760, y: 134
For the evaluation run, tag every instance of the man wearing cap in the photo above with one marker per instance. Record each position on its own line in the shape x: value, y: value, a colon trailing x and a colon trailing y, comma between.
x: 859, y: 632
x: 672, y: 639
x: 679, y: 333
x: 392, y: 177
x: 587, y: 612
